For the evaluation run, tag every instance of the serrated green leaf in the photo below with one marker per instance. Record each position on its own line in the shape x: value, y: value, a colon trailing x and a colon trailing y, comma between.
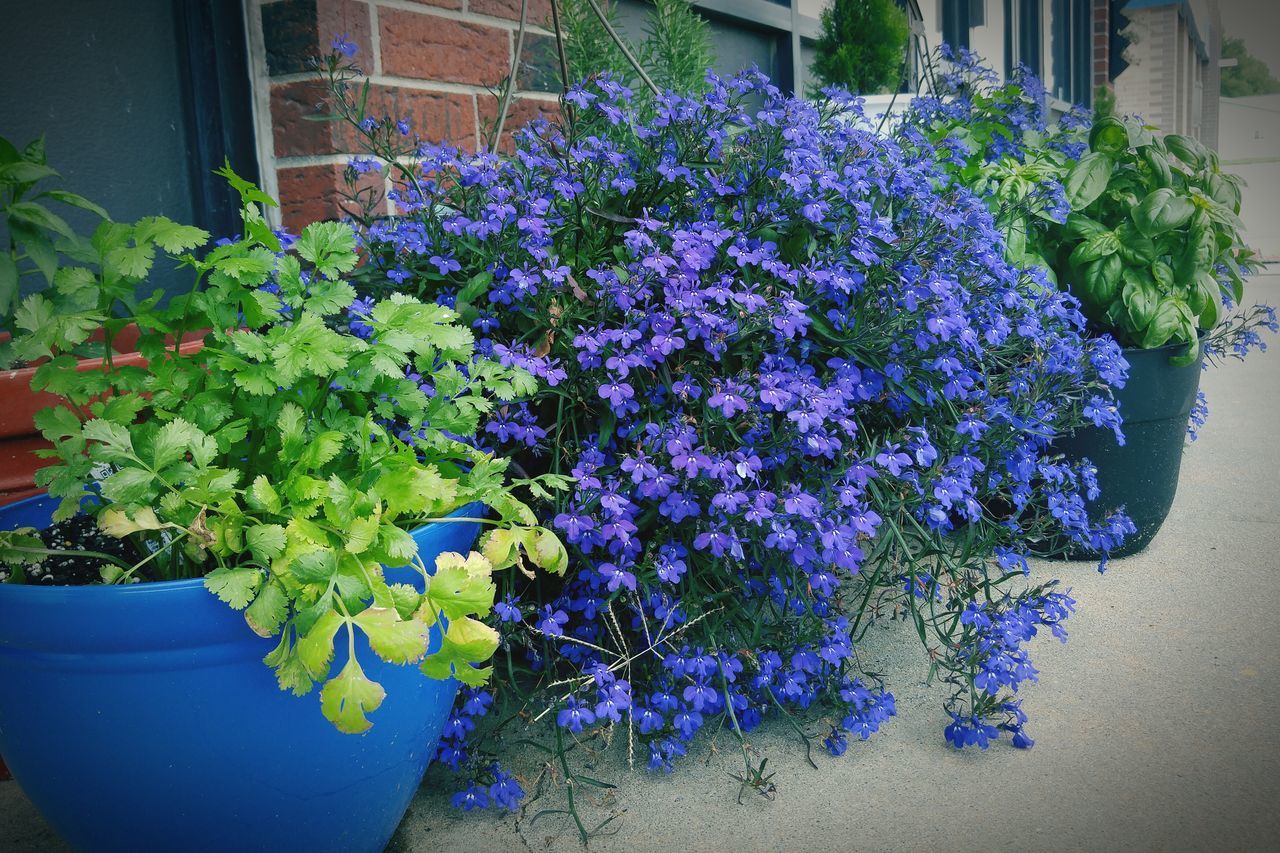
x: 236, y: 586
x: 131, y: 262
x: 268, y: 611
x: 394, y: 546
x: 407, y: 599
x: 416, y: 489
x: 316, y: 567
x: 266, y: 541
x: 171, y: 443
x: 248, y: 269
x: 307, y: 347
x: 128, y: 485
x: 169, y: 235
x: 329, y: 246
x: 293, y: 676
x: 500, y: 547
x: 322, y: 449
x: 262, y: 496
x: 329, y: 297
x: 361, y: 533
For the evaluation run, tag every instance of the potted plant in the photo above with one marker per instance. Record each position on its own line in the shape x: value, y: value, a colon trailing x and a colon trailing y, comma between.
x: 1143, y: 230
x: 1153, y: 249
x: 275, y: 477
x: 88, y: 318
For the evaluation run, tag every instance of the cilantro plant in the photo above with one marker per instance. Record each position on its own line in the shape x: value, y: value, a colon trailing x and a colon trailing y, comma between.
x: 287, y: 460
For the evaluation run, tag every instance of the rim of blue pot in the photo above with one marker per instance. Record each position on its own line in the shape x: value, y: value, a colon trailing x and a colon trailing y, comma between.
x: 152, y: 587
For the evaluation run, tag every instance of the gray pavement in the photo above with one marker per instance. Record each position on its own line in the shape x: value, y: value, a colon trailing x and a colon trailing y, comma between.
x: 1157, y: 725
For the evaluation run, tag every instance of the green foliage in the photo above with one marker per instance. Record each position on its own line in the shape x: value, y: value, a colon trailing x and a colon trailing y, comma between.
x: 676, y: 50
x: 37, y: 236
x: 1150, y: 238
x: 863, y: 45
x: 1249, y: 76
x: 274, y: 461
x: 1153, y: 245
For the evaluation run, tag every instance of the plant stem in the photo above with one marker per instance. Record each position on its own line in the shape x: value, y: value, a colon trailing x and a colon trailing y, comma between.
x: 511, y: 80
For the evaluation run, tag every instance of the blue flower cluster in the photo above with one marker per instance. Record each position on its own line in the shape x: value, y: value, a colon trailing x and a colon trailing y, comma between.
x: 795, y: 382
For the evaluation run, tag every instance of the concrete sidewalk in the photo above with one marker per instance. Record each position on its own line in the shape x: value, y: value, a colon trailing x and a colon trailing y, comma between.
x: 1157, y: 725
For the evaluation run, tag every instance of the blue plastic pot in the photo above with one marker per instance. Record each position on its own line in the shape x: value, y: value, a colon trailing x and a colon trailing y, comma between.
x: 142, y: 718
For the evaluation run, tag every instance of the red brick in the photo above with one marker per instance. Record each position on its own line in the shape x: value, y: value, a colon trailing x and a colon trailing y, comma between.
x: 290, y: 33
x: 346, y: 18
x: 293, y: 132
x: 454, y: 5
x: 539, y: 10
x: 428, y: 47
x: 311, y: 193
x: 435, y: 116
x: 521, y: 112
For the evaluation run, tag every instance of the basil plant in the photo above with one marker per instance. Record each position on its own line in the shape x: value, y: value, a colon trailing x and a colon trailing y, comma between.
x: 287, y: 460
x: 1152, y: 246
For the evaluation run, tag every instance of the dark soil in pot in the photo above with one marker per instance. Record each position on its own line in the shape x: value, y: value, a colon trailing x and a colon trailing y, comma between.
x: 78, y: 533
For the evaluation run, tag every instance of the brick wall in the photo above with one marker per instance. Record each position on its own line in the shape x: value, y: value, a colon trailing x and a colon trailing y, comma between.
x: 1101, y: 29
x: 434, y: 62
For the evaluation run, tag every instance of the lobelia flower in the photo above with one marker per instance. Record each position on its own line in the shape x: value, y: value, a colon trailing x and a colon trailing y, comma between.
x: 801, y: 347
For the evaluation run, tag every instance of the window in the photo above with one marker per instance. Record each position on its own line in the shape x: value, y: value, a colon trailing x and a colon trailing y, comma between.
x: 1072, y: 51
x: 956, y: 21
x: 1023, y: 35
x: 138, y: 100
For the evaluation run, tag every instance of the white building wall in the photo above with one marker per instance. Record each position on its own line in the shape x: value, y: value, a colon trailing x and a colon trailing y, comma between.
x: 1249, y: 146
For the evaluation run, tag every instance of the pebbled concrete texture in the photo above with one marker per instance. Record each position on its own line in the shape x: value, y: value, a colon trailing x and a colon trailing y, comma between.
x: 1157, y: 725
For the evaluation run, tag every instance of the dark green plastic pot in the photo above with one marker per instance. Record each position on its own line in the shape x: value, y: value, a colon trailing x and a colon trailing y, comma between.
x: 1141, y: 476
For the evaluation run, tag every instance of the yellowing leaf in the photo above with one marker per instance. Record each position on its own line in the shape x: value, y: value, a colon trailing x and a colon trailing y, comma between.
x: 268, y: 611
x: 392, y: 638
x: 315, y: 650
x: 473, y: 640
x: 346, y: 698
x: 500, y: 547
x: 116, y: 522
x: 549, y: 553
x: 459, y: 588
